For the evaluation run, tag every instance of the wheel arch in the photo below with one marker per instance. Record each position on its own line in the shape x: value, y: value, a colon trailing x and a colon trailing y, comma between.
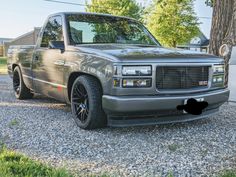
x: 14, y: 65
x: 73, y: 76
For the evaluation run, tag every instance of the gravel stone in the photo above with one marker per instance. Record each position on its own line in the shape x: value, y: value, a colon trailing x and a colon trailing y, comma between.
x: 45, y: 131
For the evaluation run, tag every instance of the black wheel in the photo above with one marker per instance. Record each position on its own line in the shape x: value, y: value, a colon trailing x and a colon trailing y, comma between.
x: 21, y: 91
x: 86, y: 103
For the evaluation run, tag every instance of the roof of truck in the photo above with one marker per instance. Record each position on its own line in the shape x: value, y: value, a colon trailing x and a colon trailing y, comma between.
x: 89, y: 13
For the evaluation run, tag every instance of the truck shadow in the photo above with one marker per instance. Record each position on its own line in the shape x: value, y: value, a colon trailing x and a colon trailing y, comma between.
x: 59, y: 106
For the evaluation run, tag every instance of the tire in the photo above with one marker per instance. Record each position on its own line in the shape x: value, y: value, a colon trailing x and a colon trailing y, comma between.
x: 86, y: 103
x: 20, y: 90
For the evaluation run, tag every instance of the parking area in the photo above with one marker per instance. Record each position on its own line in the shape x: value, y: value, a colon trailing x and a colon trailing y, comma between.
x: 44, y: 129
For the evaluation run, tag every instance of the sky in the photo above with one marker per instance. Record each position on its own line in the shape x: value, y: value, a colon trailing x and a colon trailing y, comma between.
x: 21, y: 16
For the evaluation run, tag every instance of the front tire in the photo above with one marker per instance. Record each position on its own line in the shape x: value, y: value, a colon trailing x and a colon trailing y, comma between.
x: 20, y: 89
x: 86, y: 103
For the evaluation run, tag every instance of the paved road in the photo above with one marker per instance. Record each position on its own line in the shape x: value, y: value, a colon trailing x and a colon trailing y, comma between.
x: 43, y: 129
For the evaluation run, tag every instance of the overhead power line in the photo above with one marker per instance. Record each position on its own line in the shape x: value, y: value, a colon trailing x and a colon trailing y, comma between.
x: 63, y: 2
x: 85, y: 5
x: 78, y: 4
x: 206, y: 18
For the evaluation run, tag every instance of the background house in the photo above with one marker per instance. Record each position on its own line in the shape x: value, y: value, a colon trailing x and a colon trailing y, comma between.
x: 29, y: 38
x: 2, y: 41
x: 199, y: 43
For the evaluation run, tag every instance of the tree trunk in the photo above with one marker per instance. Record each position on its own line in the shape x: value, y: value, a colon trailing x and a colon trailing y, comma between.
x: 223, y: 28
x: 221, y: 20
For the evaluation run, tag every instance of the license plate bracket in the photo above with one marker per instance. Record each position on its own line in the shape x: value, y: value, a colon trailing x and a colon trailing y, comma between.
x: 197, y: 99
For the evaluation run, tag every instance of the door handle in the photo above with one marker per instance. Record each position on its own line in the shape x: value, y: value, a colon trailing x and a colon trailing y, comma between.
x: 36, y: 58
x: 59, y: 62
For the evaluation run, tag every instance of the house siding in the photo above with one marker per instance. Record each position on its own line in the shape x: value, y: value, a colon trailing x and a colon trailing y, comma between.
x: 26, y: 39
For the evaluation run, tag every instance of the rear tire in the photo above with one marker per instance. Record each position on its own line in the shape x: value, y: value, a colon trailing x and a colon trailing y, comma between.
x: 86, y: 103
x: 20, y: 89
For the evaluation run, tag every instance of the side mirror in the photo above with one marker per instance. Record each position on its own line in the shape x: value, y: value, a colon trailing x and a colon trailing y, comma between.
x: 224, y: 50
x: 57, y: 45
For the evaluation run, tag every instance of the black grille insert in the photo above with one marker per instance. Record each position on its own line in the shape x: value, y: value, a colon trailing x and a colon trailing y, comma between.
x: 184, y: 77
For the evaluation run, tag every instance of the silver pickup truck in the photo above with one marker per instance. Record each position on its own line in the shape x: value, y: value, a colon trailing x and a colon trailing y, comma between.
x: 112, y: 71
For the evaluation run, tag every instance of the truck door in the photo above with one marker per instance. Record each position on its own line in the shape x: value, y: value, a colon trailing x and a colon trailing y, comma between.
x: 232, y: 75
x: 48, y: 63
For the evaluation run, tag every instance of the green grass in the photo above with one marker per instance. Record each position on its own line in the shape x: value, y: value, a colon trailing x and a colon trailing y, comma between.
x: 228, y: 173
x: 3, y: 65
x: 13, y: 123
x: 13, y: 164
x: 3, y: 60
x: 173, y: 147
x: 16, y: 165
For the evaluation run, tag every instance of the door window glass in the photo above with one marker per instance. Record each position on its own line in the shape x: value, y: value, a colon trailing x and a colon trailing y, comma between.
x: 52, y: 31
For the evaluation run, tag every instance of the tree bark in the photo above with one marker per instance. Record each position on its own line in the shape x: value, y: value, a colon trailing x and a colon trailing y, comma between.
x: 221, y: 20
x: 223, y: 30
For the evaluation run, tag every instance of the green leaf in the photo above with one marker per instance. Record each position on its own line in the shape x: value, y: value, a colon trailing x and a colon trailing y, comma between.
x: 127, y: 8
x: 172, y: 22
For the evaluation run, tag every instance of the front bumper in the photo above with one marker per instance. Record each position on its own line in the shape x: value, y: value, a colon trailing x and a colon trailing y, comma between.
x: 157, y: 109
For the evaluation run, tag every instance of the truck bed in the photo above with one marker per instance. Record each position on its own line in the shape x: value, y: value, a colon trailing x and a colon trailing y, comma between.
x: 21, y: 54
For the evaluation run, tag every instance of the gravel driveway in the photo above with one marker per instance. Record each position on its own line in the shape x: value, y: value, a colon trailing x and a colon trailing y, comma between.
x: 44, y: 129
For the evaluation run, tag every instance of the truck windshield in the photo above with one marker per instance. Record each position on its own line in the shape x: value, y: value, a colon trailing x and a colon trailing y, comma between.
x: 92, y: 29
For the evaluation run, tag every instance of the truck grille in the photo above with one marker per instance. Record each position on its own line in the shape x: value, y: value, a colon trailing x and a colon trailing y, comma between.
x: 184, y: 77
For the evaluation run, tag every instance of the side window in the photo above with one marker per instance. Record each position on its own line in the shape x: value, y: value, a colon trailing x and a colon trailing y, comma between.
x: 52, y: 31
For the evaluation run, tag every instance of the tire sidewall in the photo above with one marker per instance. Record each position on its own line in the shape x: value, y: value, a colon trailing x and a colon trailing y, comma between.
x: 17, y: 70
x: 82, y: 81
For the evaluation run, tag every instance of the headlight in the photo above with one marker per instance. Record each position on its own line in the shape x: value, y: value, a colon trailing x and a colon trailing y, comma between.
x: 136, y: 70
x: 218, y: 80
x: 218, y: 76
x: 136, y: 83
x: 218, y: 69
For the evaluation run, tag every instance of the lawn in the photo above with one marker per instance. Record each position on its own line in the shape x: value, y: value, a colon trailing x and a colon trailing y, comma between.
x: 13, y: 164
x: 3, y: 65
x: 229, y: 174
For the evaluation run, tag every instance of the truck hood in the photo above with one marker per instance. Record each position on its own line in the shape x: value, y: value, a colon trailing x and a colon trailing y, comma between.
x: 134, y: 53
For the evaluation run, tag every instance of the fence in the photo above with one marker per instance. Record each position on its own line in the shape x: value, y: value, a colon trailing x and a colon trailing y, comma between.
x: 1, y: 50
